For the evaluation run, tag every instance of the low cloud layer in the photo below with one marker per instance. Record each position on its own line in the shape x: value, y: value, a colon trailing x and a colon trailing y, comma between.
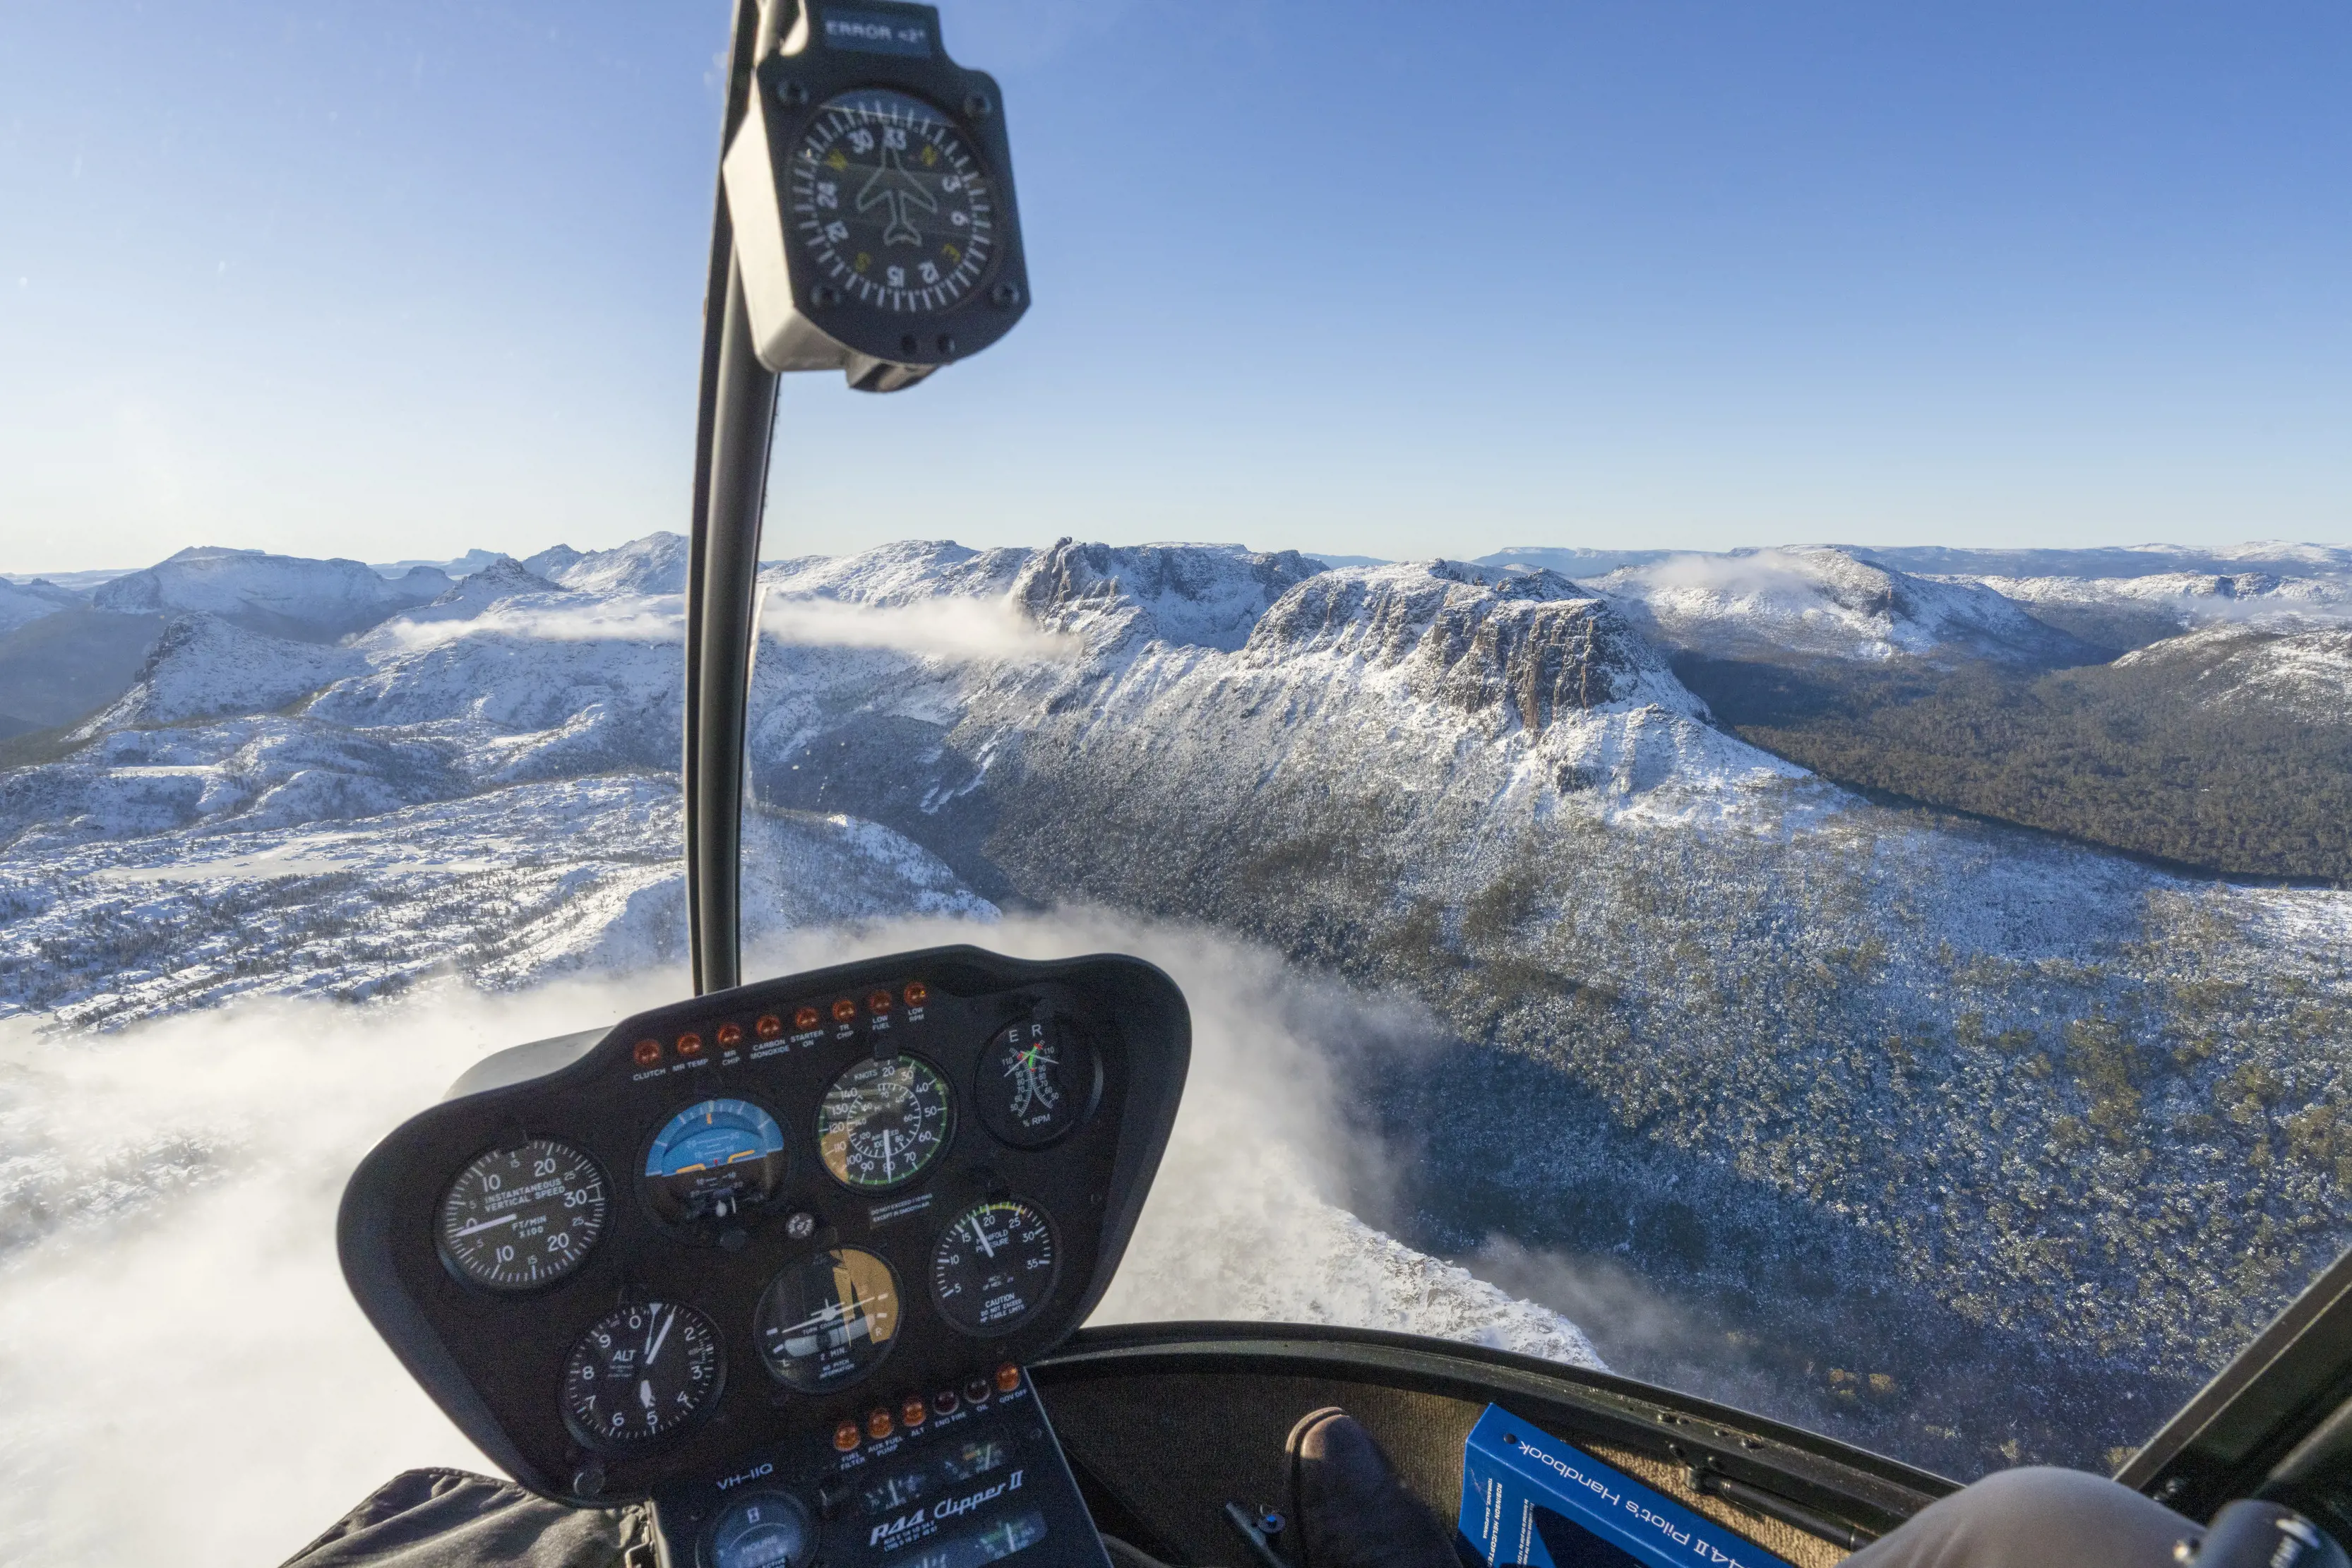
x: 940, y: 628
x: 652, y: 618
x: 175, y: 1329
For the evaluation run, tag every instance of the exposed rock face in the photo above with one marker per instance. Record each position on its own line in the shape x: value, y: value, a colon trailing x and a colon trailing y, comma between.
x: 1520, y: 648
x: 1205, y: 596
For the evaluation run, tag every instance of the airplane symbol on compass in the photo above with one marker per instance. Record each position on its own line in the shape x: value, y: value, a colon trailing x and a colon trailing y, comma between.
x: 901, y: 191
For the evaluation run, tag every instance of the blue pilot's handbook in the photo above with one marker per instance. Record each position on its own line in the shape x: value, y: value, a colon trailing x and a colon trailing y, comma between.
x: 1528, y: 1499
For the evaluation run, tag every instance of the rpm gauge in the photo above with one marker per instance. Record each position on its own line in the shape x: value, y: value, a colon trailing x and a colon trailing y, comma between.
x: 883, y: 1121
x: 1036, y: 1081
x: 521, y: 1218
x: 713, y: 1160
x: 828, y: 1320
x: 642, y: 1372
x: 994, y: 1266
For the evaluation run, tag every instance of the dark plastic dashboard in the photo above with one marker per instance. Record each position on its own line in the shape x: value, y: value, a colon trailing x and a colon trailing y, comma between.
x: 784, y: 1218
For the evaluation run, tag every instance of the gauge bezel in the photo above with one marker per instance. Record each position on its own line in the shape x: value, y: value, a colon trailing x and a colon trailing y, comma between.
x: 610, y: 1446
x: 1068, y: 1030
x: 768, y: 1293
x: 1036, y: 1305
x: 922, y: 1172
x: 494, y: 1291
x: 708, y: 1226
x: 705, y: 1547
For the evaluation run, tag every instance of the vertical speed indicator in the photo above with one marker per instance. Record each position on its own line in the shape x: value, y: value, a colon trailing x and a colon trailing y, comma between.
x: 519, y: 1218
x: 890, y: 202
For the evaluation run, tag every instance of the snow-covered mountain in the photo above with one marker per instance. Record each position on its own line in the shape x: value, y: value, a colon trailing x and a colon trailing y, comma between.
x: 1868, y: 1036
x: 1822, y: 601
x: 205, y: 666
x: 2306, y: 672
x: 27, y: 601
x: 654, y: 564
x: 2180, y: 600
x: 282, y: 596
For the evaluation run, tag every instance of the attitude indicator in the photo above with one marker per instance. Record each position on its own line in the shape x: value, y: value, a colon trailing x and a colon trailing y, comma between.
x: 829, y: 1319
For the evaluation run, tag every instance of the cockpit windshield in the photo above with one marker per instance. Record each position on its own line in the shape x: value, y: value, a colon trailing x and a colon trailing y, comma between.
x: 1648, y: 608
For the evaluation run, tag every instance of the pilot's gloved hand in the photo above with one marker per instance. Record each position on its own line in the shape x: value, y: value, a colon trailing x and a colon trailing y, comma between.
x: 1348, y: 1507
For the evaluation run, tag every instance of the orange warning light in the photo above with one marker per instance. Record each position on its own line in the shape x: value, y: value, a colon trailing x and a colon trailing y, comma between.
x: 769, y: 1026
x: 844, y: 1010
x: 647, y: 1052
x: 807, y: 1017
x: 690, y: 1044
x: 730, y: 1034
x: 878, y: 1423
x: 879, y: 1001
x: 844, y: 1435
x: 913, y: 1411
x: 1008, y: 1378
x: 918, y: 993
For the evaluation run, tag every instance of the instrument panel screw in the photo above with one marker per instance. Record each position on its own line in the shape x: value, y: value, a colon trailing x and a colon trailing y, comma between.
x: 977, y: 107
x: 1006, y: 295
x: 827, y: 296
x: 792, y: 92
x: 588, y: 1481
x: 801, y: 1226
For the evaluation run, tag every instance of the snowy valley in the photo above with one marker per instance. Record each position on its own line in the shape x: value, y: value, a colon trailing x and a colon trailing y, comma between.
x: 1764, y: 1083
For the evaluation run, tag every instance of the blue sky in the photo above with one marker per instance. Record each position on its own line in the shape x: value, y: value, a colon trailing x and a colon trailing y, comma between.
x: 1394, y: 279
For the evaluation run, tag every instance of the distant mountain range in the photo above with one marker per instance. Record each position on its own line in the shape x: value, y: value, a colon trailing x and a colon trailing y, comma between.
x: 1948, y: 1071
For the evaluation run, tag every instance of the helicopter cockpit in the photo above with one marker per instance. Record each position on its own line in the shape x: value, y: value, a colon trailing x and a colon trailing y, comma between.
x: 799, y: 1266
x: 812, y: 1267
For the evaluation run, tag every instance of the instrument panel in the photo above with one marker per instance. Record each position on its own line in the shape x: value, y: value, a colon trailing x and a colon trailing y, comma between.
x: 806, y: 1217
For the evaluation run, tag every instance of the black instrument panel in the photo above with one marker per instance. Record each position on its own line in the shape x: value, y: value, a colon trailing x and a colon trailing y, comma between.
x: 790, y: 1213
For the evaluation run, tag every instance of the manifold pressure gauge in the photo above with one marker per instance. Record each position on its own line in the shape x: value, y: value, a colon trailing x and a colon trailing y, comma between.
x: 870, y: 188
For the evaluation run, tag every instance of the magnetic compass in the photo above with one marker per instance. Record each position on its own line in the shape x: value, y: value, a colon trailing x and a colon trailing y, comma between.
x: 869, y: 197
x: 892, y: 205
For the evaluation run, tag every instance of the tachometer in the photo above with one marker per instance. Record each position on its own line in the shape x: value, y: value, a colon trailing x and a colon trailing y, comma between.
x: 883, y: 1121
x: 641, y: 1372
x: 829, y: 1319
x: 994, y: 1266
x: 519, y: 1218
x: 713, y: 1160
x: 1036, y: 1081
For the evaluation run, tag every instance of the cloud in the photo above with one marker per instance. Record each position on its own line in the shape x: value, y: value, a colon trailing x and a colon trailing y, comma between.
x: 940, y: 628
x: 175, y: 1328
x: 1762, y: 571
x: 656, y: 618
